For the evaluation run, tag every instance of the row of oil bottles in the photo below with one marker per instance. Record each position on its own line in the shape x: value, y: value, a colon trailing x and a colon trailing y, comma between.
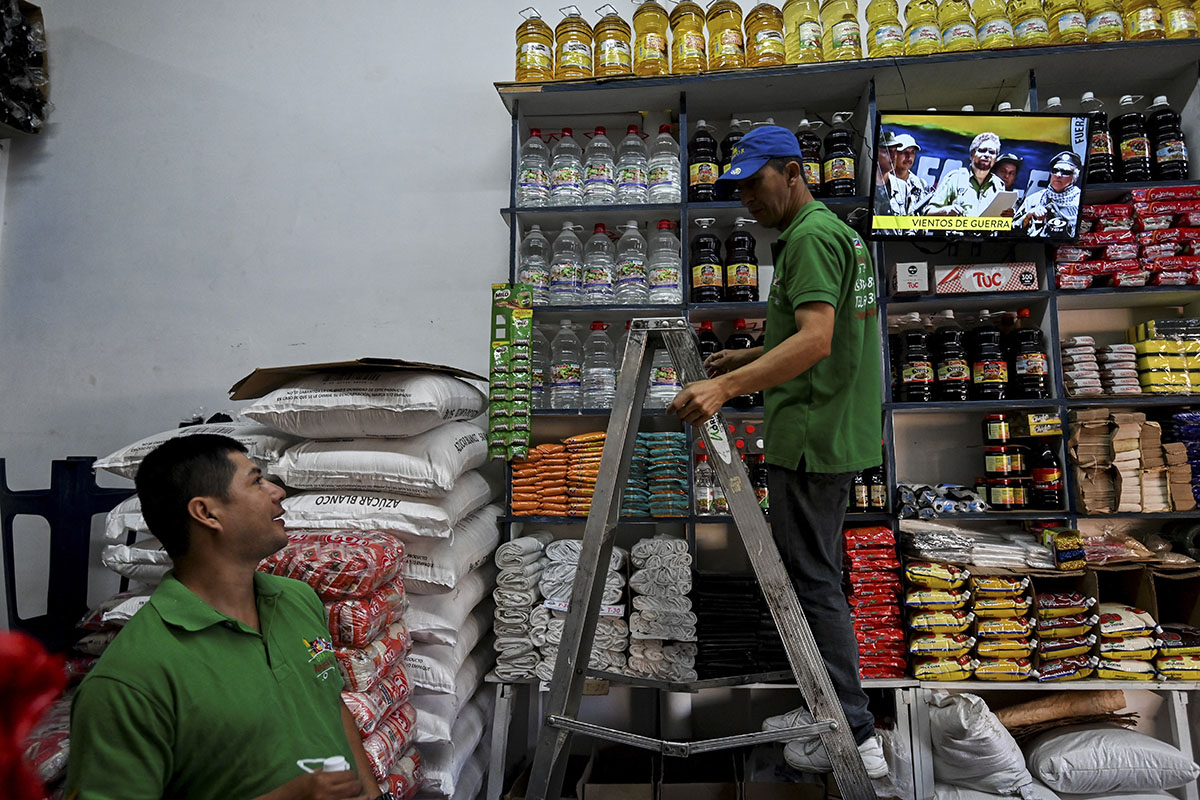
x: 690, y: 40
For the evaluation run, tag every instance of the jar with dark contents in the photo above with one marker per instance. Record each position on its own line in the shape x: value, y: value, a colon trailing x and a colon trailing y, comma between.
x: 995, y: 429
x: 1005, y: 461
x: 989, y: 367
x: 1008, y: 494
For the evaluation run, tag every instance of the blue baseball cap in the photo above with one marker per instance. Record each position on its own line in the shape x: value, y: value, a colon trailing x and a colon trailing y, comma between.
x: 759, y: 146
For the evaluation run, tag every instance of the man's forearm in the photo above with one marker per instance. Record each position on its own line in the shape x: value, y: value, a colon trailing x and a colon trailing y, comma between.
x: 794, y: 356
x: 361, y: 764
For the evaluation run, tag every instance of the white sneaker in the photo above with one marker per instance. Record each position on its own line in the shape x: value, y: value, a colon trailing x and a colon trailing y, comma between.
x: 809, y: 755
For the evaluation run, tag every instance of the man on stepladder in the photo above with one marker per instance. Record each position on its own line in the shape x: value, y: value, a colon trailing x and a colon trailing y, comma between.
x: 820, y: 370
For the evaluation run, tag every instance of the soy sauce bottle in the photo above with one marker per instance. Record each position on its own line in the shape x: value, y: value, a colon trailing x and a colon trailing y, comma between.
x: 953, y: 371
x: 706, y: 341
x: 741, y: 264
x: 989, y: 368
x: 810, y: 155
x: 1170, y: 151
x: 1030, y: 373
x: 916, y: 367
x: 740, y: 339
x: 1100, y: 146
x: 876, y: 489
x: 1131, y: 142
x: 860, y: 493
x: 703, y: 167
x: 837, y: 170
x: 705, y: 262
x: 1047, y: 478
x: 727, y: 190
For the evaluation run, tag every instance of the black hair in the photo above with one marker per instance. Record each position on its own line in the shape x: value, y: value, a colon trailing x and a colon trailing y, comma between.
x: 779, y: 164
x: 176, y: 471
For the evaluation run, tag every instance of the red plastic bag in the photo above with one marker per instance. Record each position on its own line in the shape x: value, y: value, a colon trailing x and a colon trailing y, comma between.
x: 363, y: 667
x: 354, y: 623
x: 30, y: 680
x: 371, y: 706
x: 863, y: 538
x: 405, y: 778
x: 339, y: 565
x: 389, y: 739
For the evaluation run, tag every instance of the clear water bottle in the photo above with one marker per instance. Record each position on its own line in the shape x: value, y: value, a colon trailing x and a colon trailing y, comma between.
x: 664, y: 266
x: 533, y: 181
x: 599, y: 267
x: 566, y: 171
x: 539, y: 368
x: 632, y: 168
x: 533, y: 267
x: 632, y: 287
x: 566, y: 268
x: 599, y: 171
x: 599, y: 368
x: 702, y: 484
x: 664, y: 168
x: 566, y: 366
x: 664, y: 381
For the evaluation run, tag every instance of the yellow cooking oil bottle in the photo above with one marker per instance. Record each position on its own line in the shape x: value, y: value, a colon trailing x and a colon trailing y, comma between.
x: 572, y: 45
x: 993, y: 27
x: 841, y: 36
x: 885, y: 37
x: 957, y: 26
x: 764, y: 37
x: 689, y: 52
x: 726, y: 47
x: 1143, y: 20
x: 535, y: 48
x: 650, y: 50
x: 1179, y: 18
x: 922, y: 35
x: 1103, y: 20
x: 614, y: 55
x: 1029, y: 22
x: 1067, y: 23
x: 802, y: 31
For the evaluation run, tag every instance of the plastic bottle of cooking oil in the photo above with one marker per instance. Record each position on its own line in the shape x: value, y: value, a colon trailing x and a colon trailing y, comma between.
x: 1103, y: 20
x: 885, y: 37
x: 535, y: 48
x: 689, y: 53
x: 993, y: 27
x: 1029, y: 22
x: 802, y: 29
x: 922, y: 35
x: 650, y: 40
x: 1178, y: 18
x: 1143, y: 20
x: 958, y: 29
x: 573, y: 45
x: 1068, y: 25
x: 614, y: 56
x: 764, y: 37
x: 726, y: 47
x: 841, y: 37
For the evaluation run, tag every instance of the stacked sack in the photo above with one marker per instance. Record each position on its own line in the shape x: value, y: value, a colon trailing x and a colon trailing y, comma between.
x: 1066, y: 623
x: 874, y: 600
x: 1179, y: 655
x: 1002, y: 608
x: 662, y: 626
x: 521, y: 563
x: 1129, y: 642
x: 936, y: 599
x: 611, y: 643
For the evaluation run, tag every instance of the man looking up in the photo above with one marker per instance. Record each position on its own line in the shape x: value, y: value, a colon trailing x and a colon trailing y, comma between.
x: 226, y: 677
x: 820, y: 369
x: 965, y: 192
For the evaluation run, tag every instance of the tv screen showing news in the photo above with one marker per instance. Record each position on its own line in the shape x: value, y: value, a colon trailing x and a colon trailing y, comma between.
x: 978, y: 175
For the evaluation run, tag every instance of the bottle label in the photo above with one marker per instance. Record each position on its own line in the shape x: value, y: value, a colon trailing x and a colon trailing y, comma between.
x: 614, y: 53
x: 953, y: 369
x: 768, y: 42
x: 661, y: 176
x: 664, y: 277
x: 651, y: 47
x: 535, y: 55
x: 995, y: 29
x: 664, y: 376
x: 720, y: 502
x: 631, y: 271
x: 862, y: 497
x: 1180, y: 20
x: 809, y: 34
x: 689, y: 47
x: 846, y: 34
x: 1136, y: 147
x: 1034, y: 29
x: 958, y: 32
x: 1031, y: 364
x: 812, y: 173
x: 565, y: 376
x: 575, y: 54
x: 704, y: 172
x: 889, y: 34
x: 533, y: 179
x: 730, y: 43
x: 1003, y: 496
x: 1000, y: 464
x: 917, y: 372
x: 564, y: 180
x: 704, y: 499
x: 706, y: 275
x: 536, y: 277
x: 599, y: 175
x: 1106, y: 22
x: 924, y: 33
x: 631, y: 178
x: 1171, y: 150
x: 596, y: 277
x: 537, y: 377
x: 996, y: 432
x: 763, y: 495
x: 1047, y: 479
x: 565, y: 276
x: 989, y: 372
x: 1072, y: 21
x: 1101, y: 144
x: 878, y: 496
x: 1146, y: 19
x: 741, y: 275
x: 839, y: 168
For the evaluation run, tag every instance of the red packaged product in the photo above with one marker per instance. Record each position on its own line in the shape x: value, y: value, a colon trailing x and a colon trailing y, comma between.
x: 371, y: 706
x: 1108, y: 225
x: 871, y: 553
x: 871, y: 564
x: 354, y: 623
x: 389, y: 739
x: 892, y: 634
x: 1070, y: 253
x: 882, y: 662
x: 883, y: 649
x: 363, y: 667
x: 1191, y: 219
x: 883, y: 599
x: 339, y: 565
x: 1155, y: 207
x: 1120, y: 252
x: 879, y: 673
x: 1106, y: 211
x: 869, y: 538
x: 1091, y: 267
x: 1164, y: 193
x: 1132, y: 278
x: 1172, y: 279
x: 78, y: 667
x: 1157, y: 222
x: 404, y: 779
x: 1174, y: 263
x: 1066, y: 281
x: 1098, y: 239
x: 1169, y: 235
x: 47, y: 744
x: 1160, y: 250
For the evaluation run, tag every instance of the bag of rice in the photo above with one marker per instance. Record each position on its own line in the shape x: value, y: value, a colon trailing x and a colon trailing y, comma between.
x: 264, y: 446
x: 435, y: 566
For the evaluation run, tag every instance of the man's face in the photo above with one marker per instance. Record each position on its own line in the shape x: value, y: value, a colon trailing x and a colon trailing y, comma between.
x: 767, y: 195
x: 1007, y: 172
x: 904, y: 161
x: 252, y: 516
x: 1061, y: 177
x: 984, y: 156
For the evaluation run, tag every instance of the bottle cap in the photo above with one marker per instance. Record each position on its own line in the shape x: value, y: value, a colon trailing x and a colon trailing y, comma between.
x: 599, y: 228
x: 597, y: 325
x: 664, y: 128
x: 1004, y: 107
x: 701, y: 124
x: 706, y: 325
x: 535, y: 132
x: 1087, y: 96
x: 665, y: 224
x: 1053, y: 102
x: 739, y: 444
x: 600, y: 131
x: 1127, y: 100
x: 633, y: 129
x: 750, y: 429
x: 739, y: 324
x: 335, y: 764
x: 568, y: 132
x: 1161, y: 100
x: 968, y: 107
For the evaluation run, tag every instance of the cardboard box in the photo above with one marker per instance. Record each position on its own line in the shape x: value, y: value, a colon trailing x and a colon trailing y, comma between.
x: 701, y: 777
x: 1017, y: 276
x: 268, y: 379
x: 910, y: 277
x: 618, y: 773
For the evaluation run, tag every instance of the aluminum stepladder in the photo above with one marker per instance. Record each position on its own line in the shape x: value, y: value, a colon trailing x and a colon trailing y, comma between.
x: 571, y: 665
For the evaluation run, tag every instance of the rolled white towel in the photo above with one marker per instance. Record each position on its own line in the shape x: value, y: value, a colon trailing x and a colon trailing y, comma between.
x: 522, y: 550
x: 568, y: 550
x: 513, y: 616
x: 509, y: 598
x: 518, y: 667
x: 661, y: 582
x: 562, y: 571
x: 672, y: 560
x: 659, y: 545
x: 511, y: 579
x: 560, y: 591
x: 511, y: 629
x: 513, y: 646
x: 645, y: 602
x: 533, y: 567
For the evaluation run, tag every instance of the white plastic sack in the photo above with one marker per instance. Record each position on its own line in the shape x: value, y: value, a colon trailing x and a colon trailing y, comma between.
x: 1080, y: 759
x: 126, y: 516
x: 436, y: 712
x: 435, y: 566
x: 436, y: 618
x: 435, y: 667
x: 470, y: 780
x: 367, y: 405
x: 401, y: 515
x: 948, y: 791
x: 971, y: 748
x: 426, y: 465
x: 264, y: 446
x: 145, y: 562
x: 442, y: 764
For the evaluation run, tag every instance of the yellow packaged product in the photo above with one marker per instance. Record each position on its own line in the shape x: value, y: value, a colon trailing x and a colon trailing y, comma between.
x: 941, y: 621
x: 944, y: 669
x: 1004, y: 648
x: 1073, y: 668
x: 1118, y: 620
x: 1115, y: 670
x: 936, y: 576
x: 1003, y: 669
x: 937, y: 599
x: 991, y: 607
x: 1168, y: 347
x: 1135, y: 648
x: 1066, y: 647
x: 998, y: 585
x: 1179, y: 668
x: 1004, y: 628
x: 941, y: 646
x: 1060, y: 627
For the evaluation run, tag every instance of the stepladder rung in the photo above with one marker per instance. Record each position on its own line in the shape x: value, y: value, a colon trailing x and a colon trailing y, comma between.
x: 684, y: 749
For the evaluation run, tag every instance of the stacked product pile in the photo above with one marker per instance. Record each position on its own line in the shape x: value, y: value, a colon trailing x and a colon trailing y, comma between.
x: 874, y: 599
x: 1003, y: 646
x: 1065, y: 635
x: 539, y: 483
x: 728, y: 645
x: 1123, y: 465
x: 1129, y: 642
x: 662, y: 627
x: 1081, y: 367
x: 521, y: 563
x: 667, y: 473
x: 1179, y: 655
x: 947, y: 541
x: 1119, y: 370
x: 1182, y: 454
x: 1168, y: 355
x: 635, y: 496
x: 936, y: 599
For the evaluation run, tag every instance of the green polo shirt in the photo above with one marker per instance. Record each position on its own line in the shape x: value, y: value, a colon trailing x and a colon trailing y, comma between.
x: 188, y: 702
x: 830, y: 416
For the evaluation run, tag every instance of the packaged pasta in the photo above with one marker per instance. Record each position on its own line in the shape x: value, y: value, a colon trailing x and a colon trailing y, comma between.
x: 941, y: 645
x: 1118, y: 619
x: 1073, y: 668
x: 941, y: 621
x: 1004, y: 628
x: 990, y: 607
x: 1058, y: 627
x: 1179, y: 668
x: 1140, y: 648
x: 1004, y: 648
x: 936, y: 576
x: 1067, y: 646
x: 1062, y: 604
x: 944, y: 669
x: 998, y: 585
x: 1116, y: 670
x: 1003, y: 669
x: 1179, y: 639
x: 937, y: 599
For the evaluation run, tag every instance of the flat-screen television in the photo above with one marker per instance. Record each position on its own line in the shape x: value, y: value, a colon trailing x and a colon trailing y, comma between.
x: 965, y: 174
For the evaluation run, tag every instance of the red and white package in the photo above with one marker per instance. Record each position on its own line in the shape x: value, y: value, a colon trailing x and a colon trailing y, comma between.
x: 1068, y: 281
x: 1154, y: 207
x: 1190, y: 219
x: 78, y: 667
x: 1172, y: 278
x: 363, y: 667
x: 1106, y: 211
x: 404, y: 780
x: 1131, y: 278
x: 355, y: 622
x: 389, y: 739
x: 113, y: 612
x: 862, y: 600
x: 1160, y: 250
x: 1164, y: 193
x: 869, y: 636
x: 1070, y: 253
x: 1091, y: 267
x: 46, y: 745
x: 339, y: 565
x: 856, y: 562
x: 1169, y: 235
x: 371, y: 706
x: 1106, y: 225
x: 869, y: 538
x: 1098, y: 238
x: 1120, y: 252
x: 1174, y: 263
x: 896, y: 663
x: 1155, y: 222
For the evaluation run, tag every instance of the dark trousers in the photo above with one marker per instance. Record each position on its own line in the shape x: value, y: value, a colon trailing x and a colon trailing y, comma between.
x: 807, y: 511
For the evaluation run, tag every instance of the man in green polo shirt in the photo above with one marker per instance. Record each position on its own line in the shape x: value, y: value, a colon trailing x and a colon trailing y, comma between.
x: 226, y: 679
x: 820, y: 370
